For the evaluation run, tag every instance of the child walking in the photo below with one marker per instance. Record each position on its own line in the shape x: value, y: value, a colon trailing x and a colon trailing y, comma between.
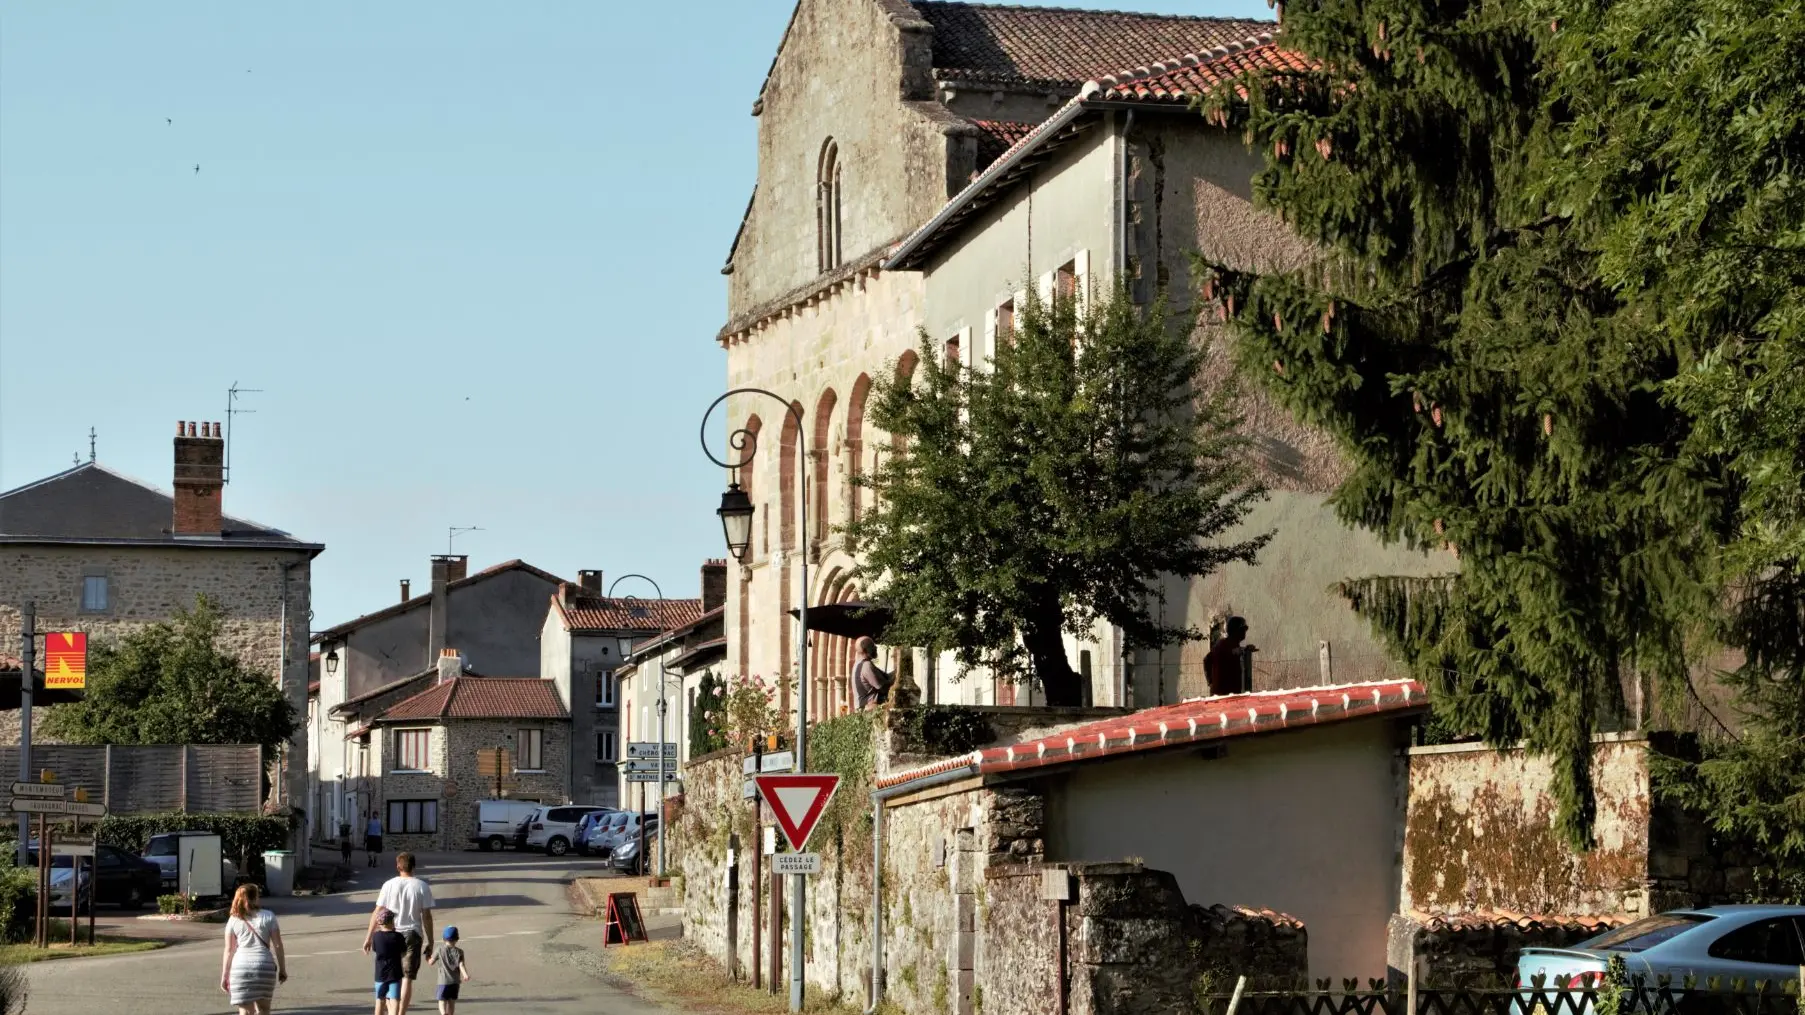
x: 453, y: 971
x: 389, y: 946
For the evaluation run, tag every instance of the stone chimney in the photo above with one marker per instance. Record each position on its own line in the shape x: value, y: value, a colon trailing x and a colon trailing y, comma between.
x: 567, y: 595
x: 451, y: 665
x: 405, y: 587
x: 200, y: 479
x: 590, y: 581
x: 436, y: 609
x: 714, y: 583
x: 457, y: 567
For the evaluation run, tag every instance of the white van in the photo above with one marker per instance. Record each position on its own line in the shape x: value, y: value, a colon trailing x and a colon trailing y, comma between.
x: 502, y: 823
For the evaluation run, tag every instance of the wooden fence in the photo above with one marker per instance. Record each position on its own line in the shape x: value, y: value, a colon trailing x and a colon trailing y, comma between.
x: 154, y: 779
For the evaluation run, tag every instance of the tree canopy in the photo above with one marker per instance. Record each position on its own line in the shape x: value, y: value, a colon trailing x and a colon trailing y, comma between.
x: 173, y: 683
x: 1053, y: 487
x: 1560, y: 278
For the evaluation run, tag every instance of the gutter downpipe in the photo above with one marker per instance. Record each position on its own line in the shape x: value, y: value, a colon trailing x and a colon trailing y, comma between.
x: 878, y: 797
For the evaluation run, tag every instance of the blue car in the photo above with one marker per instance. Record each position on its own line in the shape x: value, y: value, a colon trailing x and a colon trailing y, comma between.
x: 1748, y: 943
x: 586, y: 831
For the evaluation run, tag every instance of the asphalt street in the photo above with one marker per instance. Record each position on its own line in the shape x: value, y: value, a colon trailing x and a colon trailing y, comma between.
x: 528, y: 952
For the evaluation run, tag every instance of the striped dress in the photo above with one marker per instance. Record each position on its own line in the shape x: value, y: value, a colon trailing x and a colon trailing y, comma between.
x: 253, y: 964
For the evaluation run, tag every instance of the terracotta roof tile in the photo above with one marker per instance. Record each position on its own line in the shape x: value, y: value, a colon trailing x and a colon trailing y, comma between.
x: 481, y: 698
x: 1184, y: 78
x: 1197, y: 720
x: 602, y: 613
x: 996, y: 137
x: 1063, y: 47
x: 1488, y: 921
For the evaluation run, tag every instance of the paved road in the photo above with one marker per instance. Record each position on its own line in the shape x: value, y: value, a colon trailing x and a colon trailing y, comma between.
x: 529, y: 953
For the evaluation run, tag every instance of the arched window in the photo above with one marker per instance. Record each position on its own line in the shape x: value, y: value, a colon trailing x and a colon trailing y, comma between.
x: 827, y: 207
x: 787, y: 478
x: 821, y: 459
x: 855, y: 445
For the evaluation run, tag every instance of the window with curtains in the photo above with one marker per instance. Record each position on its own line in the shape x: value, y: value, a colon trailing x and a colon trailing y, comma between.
x: 413, y: 750
x: 412, y: 817
x: 531, y: 755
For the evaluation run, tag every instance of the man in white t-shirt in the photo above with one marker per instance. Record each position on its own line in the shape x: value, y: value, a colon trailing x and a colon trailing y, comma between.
x: 410, y: 899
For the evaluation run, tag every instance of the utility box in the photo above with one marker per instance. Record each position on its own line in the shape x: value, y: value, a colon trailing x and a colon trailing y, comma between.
x: 200, y: 866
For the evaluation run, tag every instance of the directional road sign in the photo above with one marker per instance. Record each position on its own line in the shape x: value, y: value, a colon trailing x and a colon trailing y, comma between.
x: 34, y: 805
x: 649, y: 749
x: 796, y: 863
x: 85, y: 810
x: 650, y: 765
x: 798, y: 802
x: 41, y: 790
x: 651, y: 776
x: 777, y: 761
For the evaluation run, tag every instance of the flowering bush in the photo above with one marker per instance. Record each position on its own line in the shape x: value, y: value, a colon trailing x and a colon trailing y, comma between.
x: 749, y: 710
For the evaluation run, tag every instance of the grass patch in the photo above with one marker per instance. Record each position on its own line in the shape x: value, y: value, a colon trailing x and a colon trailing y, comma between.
x: 677, y: 971
x: 60, y: 948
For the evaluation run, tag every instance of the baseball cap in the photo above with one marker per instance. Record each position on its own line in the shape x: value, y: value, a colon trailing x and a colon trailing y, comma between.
x: 451, y: 933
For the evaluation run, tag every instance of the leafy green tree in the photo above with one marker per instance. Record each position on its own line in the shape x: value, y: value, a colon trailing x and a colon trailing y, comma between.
x: 1556, y: 325
x: 1052, y: 488
x: 172, y: 683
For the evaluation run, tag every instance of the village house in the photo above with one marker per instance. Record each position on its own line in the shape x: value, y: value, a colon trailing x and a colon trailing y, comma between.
x: 587, y: 636
x: 373, y: 661
x: 672, y: 663
x: 969, y: 152
x: 425, y: 753
x: 99, y: 552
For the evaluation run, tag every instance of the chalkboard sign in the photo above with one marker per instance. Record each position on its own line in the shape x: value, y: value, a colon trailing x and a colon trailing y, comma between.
x: 624, y: 924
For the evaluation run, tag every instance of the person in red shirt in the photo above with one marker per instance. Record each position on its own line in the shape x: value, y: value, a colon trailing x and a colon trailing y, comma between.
x: 1222, y: 667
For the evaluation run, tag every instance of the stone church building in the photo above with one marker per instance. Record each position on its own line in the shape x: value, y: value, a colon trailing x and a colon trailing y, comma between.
x: 920, y: 163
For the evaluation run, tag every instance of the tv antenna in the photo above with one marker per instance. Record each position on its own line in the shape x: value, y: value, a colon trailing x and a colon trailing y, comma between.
x: 456, y: 531
x: 232, y: 409
x: 92, y: 438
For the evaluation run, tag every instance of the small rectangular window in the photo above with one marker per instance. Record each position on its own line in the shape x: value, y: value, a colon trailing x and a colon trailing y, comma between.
x: 413, y: 750
x: 952, y: 351
x: 1065, y: 281
x: 604, y: 747
x: 94, y: 597
x: 1005, y: 323
x: 413, y: 817
x: 604, y: 691
x: 532, y: 751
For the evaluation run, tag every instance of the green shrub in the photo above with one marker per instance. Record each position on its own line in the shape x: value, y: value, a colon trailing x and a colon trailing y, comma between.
x: 17, y: 888
x: 173, y: 904
x: 943, y: 730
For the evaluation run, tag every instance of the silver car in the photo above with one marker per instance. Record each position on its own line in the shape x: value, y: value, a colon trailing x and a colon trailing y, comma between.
x: 1748, y: 943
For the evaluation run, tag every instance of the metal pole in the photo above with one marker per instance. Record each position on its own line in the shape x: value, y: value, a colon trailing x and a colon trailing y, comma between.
x: 798, y: 885
x: 661, y: 780
x: 28, y: 619
x: 758, y: 882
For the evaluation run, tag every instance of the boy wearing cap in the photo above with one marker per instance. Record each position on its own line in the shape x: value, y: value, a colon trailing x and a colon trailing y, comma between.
x: 452, y: 971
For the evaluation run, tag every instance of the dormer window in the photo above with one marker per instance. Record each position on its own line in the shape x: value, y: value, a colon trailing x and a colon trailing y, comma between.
x: 827, y: 208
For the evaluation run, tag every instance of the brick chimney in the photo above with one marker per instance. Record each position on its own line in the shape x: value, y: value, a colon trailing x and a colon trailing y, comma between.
x: 567, y: 595
x: 457, y: 567
x: 590, y: 581
x: 405, y: 587
x: 200, y: 478
x: 451, y: 665
x: 714, y: 583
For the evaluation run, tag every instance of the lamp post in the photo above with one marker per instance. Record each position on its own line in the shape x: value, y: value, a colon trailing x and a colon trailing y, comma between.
x: 661, y: 779
x: 736, y: 525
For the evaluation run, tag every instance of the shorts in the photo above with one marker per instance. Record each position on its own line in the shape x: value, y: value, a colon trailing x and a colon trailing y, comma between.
x: 410, y: 960
x: 373, y: 843
x: 448, y: 992
x: 388, y: 990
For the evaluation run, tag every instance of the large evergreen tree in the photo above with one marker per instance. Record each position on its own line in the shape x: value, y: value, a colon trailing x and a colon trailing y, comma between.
x: 173, y: 683
x: 1052, y: 487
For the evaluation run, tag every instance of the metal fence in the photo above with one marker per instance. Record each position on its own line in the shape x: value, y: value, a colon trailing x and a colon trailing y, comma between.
x: 154, y: 779
x: 1662, y: 997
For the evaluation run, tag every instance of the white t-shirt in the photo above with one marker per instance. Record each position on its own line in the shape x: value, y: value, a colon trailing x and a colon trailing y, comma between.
x: 407, y: 898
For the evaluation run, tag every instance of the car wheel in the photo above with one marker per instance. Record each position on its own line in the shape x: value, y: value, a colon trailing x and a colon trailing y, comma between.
x: 494, y: 843
x: 558, y: 846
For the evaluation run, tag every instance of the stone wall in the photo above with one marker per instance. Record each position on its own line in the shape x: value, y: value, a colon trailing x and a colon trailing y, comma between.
x: 1479, y: 834
x: 1478, y: 950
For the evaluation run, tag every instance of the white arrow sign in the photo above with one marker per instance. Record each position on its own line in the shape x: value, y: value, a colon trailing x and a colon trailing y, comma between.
x: 40, y: 790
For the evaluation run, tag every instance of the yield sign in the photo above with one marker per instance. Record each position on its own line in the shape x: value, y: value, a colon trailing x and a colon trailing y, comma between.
x: 798, y: 801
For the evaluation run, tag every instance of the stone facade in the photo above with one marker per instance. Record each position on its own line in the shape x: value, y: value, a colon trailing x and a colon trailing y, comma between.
x: 452, y: 779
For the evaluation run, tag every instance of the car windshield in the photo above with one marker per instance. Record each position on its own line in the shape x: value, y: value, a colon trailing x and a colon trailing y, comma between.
x: 161, y: 846
x: 1645, y: 934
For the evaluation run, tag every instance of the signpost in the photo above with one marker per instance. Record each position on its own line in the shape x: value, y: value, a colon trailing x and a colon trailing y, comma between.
x: 797, y: 801
x: 649, y: 749
x: 41, y: 790
x: 796, y: 863
x: 652, y: 776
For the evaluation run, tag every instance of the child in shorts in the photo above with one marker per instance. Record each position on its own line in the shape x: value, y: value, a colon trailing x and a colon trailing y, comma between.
x: 388, y: 946
x: 453, y: 971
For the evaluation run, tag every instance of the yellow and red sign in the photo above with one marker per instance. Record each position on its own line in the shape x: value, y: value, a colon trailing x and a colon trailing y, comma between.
x: 65, y: 661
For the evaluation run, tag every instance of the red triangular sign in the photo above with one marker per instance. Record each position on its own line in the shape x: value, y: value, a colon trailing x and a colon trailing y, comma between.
x: 798, y: 801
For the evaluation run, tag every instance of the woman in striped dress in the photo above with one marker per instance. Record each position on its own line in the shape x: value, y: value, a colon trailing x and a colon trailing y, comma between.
x: 254, y: 962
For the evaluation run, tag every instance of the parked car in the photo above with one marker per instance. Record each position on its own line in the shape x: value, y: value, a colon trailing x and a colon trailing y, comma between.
x: 586, y: 829
x: 553, y: 828
x: 500, y: 823
x: 162, y: 850
x: 131, y: 882
x: 604, y: 834
x: 62, y: 882
x: 627, y: 856
x: 1733, y: 942
x: 626, y: 839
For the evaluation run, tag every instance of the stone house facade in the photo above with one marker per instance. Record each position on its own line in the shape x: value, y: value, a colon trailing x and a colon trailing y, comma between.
x: 96, y: 551
x: 677, y: 657
x: 424, y: 749
x: 586, y: 638
x: 493, y: 616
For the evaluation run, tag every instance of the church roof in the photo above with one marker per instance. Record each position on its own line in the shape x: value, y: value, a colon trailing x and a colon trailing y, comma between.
x: 92, y: 504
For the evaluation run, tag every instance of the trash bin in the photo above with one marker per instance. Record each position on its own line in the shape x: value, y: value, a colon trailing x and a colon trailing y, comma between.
x: 279, y: 872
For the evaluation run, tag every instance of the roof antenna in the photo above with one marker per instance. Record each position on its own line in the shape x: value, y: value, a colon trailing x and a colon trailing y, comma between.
x: 91, y: 439
x: 232, y: 409
x: 456, y: 531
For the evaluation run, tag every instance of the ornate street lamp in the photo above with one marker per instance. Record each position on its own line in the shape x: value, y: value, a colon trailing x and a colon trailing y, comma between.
x: 332, y: 663
x: 736, y: 525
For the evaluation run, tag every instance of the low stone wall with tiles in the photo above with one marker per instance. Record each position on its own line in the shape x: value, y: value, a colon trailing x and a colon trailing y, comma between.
x: 1478, y: 950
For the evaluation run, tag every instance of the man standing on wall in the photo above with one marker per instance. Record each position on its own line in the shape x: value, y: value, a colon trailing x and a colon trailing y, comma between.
x: 410, y: 899
x: 1222, y: 667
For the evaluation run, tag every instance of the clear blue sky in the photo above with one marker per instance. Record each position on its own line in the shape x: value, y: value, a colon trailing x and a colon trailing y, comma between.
x: 469, y: 252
